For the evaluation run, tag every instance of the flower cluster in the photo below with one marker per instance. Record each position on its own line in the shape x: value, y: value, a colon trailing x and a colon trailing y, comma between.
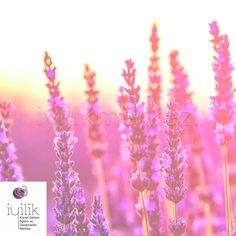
x: 57, y: 108
x: 69, y: 197
x: 173, y: 164
x: 154, y: 74
x: 98, y: 224
x: 177, y: 227
x: 96, y: 147
x: 153, y: 204
x: 70, y: 201
x: 134, y: 120
x: 9, y: 169
x: 5, y: 111
x: 81, y: 219
x: 192, y: 138
x: 150, y: 163
x: 174, y: 157
x: 94, y: 119
x: 180, y: 81
x: 180, y: 94
x: 223, y: 106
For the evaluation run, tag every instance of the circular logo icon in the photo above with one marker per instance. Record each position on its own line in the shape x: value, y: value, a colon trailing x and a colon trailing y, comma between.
x: 19, y: 193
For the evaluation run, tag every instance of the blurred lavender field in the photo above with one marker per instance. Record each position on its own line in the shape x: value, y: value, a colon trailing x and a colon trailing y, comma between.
x: 133, y: 132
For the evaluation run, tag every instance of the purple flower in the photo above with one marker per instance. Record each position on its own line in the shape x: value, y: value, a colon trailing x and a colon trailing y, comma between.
x: 222, y: 104
x: 174, y: 157
x: 69, y: 196
x: 154, y: 73
x: 150, y: 165
x: 177, y: 227
x: 133, y: 118
x: 94, y: 131
x: 9, y: 169
x: 153, y: 133
x: 180, y: 81
x: 70, y: 201
x: 81, y: 219
x: 179, y: 92
x: 49, y: 70
x: 57, y: 108
x: 5, y: 111
x: 173, y: 165
x: 98, y: 226
x: 139, y: 181
x: 154, y: 214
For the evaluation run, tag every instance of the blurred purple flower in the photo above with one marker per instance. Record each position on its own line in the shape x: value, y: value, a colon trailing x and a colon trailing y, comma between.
x: 81, y: 219
x: 9, y: 169
x: 98, y: 226
x: 222, y: 104
x: 154, y: 72
x: 94, y: 131
x: 177, y: 227
x: 5, y: 111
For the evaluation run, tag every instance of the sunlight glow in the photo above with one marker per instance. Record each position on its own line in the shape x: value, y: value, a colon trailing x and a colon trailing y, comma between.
x: 105, y: 33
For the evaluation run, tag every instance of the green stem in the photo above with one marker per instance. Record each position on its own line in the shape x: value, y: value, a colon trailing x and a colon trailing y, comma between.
x: 175, y: 212
x: 229, y: 218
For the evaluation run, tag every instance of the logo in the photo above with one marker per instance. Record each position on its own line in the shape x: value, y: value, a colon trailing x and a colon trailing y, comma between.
x: 19, y: 193
x: 23, y: 208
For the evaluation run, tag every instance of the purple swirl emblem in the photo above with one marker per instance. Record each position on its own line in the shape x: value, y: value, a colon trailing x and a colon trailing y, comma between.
x: 19, y: 193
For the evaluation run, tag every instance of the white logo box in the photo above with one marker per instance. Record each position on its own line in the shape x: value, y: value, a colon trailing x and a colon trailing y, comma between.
x: 23, y: 208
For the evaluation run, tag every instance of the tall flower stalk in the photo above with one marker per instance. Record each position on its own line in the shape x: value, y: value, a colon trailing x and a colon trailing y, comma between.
x: 223, y: 109
x: 57, y: 108
x: 192, y: 137
x: 173, y: 163
x: 70, y: 200
x: 153, y: 132
x: 154, y: 72
x: 134, y: 120
x: 10, y: 170
x: 94, y: 133
x: 127, y: 166
x: 65, y: 186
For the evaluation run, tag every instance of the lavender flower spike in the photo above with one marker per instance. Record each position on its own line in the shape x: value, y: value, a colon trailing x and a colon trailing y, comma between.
x: 99, y: 225
x: 65, y: 186
x: 57, y: 107
x: 81, y: 219
x: 173, y: 165
x: 9, y: 169
x: 223, y: 105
